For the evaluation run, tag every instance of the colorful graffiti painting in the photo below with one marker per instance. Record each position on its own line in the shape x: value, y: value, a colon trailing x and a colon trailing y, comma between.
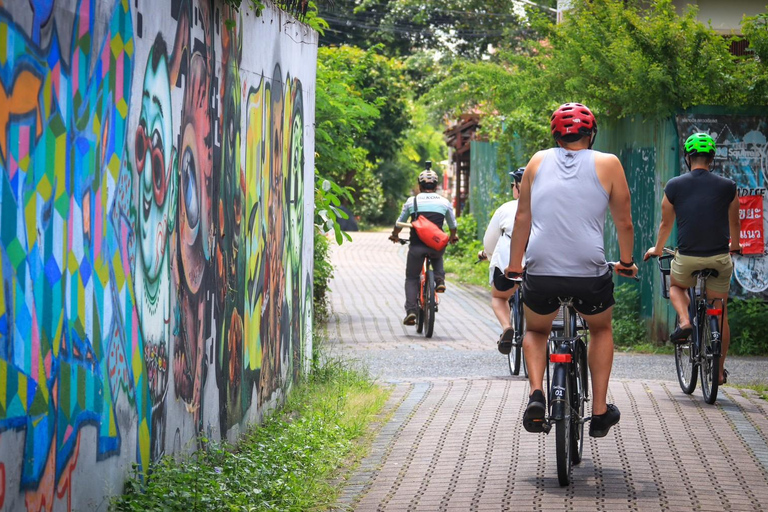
x: 152, y: 226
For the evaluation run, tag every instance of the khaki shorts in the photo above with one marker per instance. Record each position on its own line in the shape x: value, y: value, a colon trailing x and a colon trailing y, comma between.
x: 682, y: 267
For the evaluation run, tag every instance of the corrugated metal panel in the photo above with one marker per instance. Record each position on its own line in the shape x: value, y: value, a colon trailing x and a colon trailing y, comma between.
x: 484, y: 182
x: 648, y: 151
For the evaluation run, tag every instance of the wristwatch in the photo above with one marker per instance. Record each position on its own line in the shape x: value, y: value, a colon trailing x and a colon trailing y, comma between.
x: 631, y: 262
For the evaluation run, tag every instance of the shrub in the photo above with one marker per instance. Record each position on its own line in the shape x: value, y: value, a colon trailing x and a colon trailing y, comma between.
x: 322, y: 274
x: 749, y: 330
x: 628, y: 329
x: 468, y: 243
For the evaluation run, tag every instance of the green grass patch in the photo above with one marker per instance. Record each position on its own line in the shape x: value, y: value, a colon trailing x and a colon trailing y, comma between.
x: 288, y: 462
x: 647, y: 348
x: 761, y: 389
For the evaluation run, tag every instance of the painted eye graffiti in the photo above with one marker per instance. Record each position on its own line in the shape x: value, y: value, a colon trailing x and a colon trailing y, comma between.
x: 158, y: 168
x: 155, y: 148
x: 189, y: 184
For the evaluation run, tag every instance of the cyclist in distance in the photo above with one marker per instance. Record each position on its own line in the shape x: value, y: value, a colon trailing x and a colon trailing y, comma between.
x: 564, y: 196
x: 437, y: 209
x: 496, y: 247
x: 706, y: 209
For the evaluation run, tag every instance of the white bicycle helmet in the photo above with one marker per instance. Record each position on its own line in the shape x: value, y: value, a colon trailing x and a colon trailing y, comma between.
x: 428, y: 177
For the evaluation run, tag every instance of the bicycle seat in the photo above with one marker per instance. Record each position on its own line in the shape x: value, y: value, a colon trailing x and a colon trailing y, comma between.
x: 705, y: 273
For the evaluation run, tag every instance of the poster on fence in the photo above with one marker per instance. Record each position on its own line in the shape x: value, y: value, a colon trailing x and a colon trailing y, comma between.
x: 742, y: 155
x: 751, y: 219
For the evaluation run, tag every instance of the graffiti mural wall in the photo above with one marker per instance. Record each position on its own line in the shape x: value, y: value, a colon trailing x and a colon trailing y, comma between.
x: 156, y: 180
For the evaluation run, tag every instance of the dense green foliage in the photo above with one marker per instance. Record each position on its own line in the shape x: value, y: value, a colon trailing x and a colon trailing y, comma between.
x: 468, y: 28
x: 370, y: 136
x: 461, y: 258
x: 749, y: 327
x: 616, y: 56
x: 286, y: 463
x: 321, y: 275
x: 628, y: 328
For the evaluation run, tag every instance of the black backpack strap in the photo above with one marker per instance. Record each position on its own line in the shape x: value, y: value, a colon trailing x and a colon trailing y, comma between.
x: 415, y: 206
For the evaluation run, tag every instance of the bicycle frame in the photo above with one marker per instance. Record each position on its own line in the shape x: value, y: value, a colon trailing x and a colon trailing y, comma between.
x: 562, y: 351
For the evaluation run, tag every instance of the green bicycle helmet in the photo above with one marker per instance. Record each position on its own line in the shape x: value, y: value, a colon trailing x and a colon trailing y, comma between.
x: 699, y: 143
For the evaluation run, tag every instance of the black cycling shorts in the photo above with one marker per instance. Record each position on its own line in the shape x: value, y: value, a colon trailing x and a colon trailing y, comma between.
x: 592, y: 295
x: 500, y: 281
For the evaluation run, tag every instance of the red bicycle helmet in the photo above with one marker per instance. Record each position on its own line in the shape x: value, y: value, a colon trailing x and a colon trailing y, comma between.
x: 572, y: 118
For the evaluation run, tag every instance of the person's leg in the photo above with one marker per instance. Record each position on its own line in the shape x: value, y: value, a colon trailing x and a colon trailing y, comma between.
x: 600, y: 355
x: 412, y: 272
x: 537, y: 332
x: 500, y: 305
x: 436, y: 259
x: 725, y: 329
x: 678, y: 296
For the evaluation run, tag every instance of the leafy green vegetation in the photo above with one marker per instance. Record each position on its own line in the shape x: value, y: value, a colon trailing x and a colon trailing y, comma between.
x: 619, y: 57
x: 287, y: 463
x: 467, y: 28
x: 628, y: 328
x: 748, y: 320
x: 461, y: 258
x: 370, y: 135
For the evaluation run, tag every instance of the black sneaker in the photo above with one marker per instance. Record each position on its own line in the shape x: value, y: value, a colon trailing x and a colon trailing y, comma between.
x: 439, y: 286
x: 600, y: 425
x: 533, y: 419
x: 410, y: 318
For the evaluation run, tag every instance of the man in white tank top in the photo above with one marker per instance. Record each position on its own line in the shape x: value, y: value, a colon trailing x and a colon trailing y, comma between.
x: 559, y: 224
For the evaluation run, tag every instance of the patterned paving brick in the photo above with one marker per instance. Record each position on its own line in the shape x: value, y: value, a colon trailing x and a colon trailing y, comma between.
x: 458, y: 444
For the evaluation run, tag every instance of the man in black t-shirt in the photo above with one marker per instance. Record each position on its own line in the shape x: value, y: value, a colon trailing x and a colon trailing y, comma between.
x: 706, y: 207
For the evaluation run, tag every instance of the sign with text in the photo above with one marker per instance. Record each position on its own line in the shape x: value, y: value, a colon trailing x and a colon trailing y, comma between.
x: 751, y: 218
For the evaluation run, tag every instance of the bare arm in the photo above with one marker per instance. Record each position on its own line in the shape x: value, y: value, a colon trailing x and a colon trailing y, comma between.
x: 621, y: 205
x: 735, y: 224
x: 665, y: 228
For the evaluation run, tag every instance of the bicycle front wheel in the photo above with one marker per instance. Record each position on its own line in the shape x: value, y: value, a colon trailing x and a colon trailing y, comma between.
x: 563, y: 434
x: 516, y: 354
x: 429, y: 306
x: 710, y: 359
x: 579, y: 399
x: 685, y: 364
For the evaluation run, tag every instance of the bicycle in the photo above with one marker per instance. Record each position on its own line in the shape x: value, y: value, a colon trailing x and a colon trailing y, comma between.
x: 428, y: 300
x: 568, y: 387
x: 702, y: 351
x: 516, y: 356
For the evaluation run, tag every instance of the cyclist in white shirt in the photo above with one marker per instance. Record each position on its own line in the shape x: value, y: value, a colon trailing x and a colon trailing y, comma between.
x: 496, y: 244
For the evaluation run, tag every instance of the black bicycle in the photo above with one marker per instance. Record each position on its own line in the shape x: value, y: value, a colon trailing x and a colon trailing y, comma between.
x: 516, y: 356
x: 568, y: 389
x: 427, y: 300
x: 700, y: 354
x: 568, y: 386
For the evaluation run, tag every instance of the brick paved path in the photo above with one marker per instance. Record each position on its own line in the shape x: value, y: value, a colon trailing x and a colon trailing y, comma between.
x: 458, y: 444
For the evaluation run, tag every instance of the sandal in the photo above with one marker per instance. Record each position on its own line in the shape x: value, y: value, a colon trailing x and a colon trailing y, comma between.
x: 725, y: 377
x: 505, y: 341
x: 680, y: 335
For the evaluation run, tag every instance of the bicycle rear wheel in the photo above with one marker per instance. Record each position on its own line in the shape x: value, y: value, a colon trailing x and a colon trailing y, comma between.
x: 421, y: 302
x: 710, y: 359
x: 685, y: 364
x: 563, y: 434
x: 580, y: 395
x: 429, y: 306
x: 518, y: 323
